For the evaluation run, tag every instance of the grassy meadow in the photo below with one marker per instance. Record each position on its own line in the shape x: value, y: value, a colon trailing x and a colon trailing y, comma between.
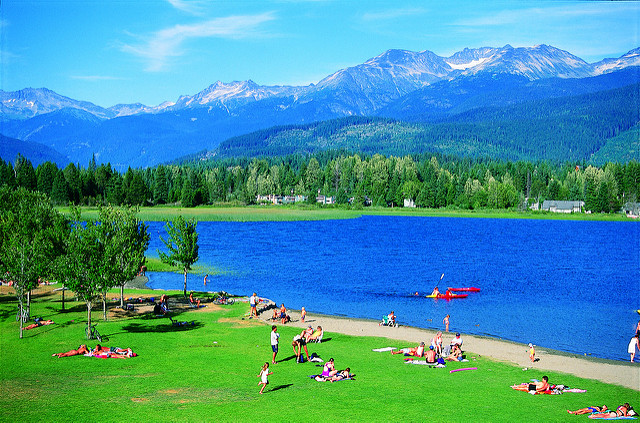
x: 311, y: 212
x: 208, y: 372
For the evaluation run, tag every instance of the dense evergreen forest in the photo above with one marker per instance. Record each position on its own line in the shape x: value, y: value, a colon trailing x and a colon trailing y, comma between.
x: 434, y: 181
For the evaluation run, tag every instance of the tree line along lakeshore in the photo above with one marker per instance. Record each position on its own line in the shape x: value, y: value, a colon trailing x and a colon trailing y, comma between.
x: 431, y: 180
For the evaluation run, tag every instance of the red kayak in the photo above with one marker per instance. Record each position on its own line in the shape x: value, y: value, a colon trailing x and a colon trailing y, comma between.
x: 467, y: 289
x: 448, y: 297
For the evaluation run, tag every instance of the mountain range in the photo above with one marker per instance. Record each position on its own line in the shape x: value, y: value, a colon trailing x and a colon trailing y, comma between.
x: 403, y: 85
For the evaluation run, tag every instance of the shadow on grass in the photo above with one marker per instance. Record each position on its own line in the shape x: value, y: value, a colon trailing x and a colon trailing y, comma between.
x: 277, y: 388
x: 180, y: 326
x: 288, y: 358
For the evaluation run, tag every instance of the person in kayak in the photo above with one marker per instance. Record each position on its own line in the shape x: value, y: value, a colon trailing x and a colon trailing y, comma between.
x: 435, y: 292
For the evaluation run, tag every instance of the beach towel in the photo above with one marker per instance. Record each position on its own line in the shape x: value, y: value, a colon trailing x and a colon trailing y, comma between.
x: 384, y: 349
x: 321, y: 378
x: 424, y: 363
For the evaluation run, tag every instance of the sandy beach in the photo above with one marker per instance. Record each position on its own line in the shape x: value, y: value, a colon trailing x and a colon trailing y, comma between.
x: 609, y: 371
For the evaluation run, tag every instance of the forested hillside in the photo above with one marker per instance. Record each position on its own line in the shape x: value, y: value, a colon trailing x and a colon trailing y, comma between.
x: 560, y: 129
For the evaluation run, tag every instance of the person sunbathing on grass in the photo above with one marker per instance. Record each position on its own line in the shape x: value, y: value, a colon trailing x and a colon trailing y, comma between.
x: 621, y: 411
x: 39, y: 322
x: 82, y: 349
x: 115, y: 352
x: 533, y: 388
x: 415, y: 351
x: 588, y: 410
x: 341, y: 375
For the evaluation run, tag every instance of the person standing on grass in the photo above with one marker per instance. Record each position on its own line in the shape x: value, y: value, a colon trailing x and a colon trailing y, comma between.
x: 252, y: 302
x: 274, y: 342
x: 446, y: 323
x: 264, y: 373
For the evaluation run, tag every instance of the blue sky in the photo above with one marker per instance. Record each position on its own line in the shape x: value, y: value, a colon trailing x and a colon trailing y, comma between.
x: 150, y: 51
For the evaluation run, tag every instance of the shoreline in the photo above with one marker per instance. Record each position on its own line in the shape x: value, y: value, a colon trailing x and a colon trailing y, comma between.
x: 615, y: 372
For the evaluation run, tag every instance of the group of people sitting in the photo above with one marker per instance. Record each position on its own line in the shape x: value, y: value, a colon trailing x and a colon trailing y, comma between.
x: 99, y: 351
x: 162, y: 307
x: 301, y: 340
x: 281, y: 314
x: 452, y: 353
x: 329, y: 373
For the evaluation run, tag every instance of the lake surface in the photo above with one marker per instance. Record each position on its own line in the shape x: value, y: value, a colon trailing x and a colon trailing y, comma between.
x: 567, y: 285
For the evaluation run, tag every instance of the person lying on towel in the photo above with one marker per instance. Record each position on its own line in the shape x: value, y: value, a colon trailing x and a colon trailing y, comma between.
x: 38, y: 322
x: 341, y: 375
x: 622, y: 411
x: 415, y: 351
x: 534, y: 388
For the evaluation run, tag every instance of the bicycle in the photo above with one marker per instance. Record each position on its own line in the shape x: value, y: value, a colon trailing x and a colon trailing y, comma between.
x: 92, y: 333
x: 25, y: 315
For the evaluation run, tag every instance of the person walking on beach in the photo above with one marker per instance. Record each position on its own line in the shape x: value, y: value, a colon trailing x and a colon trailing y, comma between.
x: 532, y: 352
x: 264, y: 373
x: 252, y: 302
x: 303, y: 314
x: 274, y: 342
x: 632, y: 347
x: 446, y: 323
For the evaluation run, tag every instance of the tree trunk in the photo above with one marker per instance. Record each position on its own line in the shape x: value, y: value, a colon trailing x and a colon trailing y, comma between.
x: 63, y: 289
x: 185, y: 282
x: 20, y: 311
x: 122, y: 296
x: 89, y: 319
x: 104, y: 306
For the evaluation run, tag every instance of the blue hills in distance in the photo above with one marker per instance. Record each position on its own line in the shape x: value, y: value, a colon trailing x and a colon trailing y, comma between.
x: 414, y: 87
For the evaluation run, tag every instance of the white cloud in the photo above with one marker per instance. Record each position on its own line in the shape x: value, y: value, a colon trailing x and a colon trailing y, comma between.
x: 194, y: 7
x: 157, y: 48
x: 553, y: 12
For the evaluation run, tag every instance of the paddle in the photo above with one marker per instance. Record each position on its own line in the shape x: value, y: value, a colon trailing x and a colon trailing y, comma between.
x: 439, y: 281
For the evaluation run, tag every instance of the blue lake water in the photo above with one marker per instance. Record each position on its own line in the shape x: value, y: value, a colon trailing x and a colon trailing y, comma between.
x: 567, y: 285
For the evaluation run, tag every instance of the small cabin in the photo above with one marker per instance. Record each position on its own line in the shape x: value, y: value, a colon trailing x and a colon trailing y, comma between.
x: 554, y: 206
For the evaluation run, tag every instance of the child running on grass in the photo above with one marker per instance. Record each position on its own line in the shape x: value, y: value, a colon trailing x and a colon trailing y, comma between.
x: 263, y: 376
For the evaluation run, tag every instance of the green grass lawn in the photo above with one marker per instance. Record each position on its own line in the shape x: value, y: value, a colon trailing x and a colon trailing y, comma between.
x: 306, y: 212
x: 208, y: 372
